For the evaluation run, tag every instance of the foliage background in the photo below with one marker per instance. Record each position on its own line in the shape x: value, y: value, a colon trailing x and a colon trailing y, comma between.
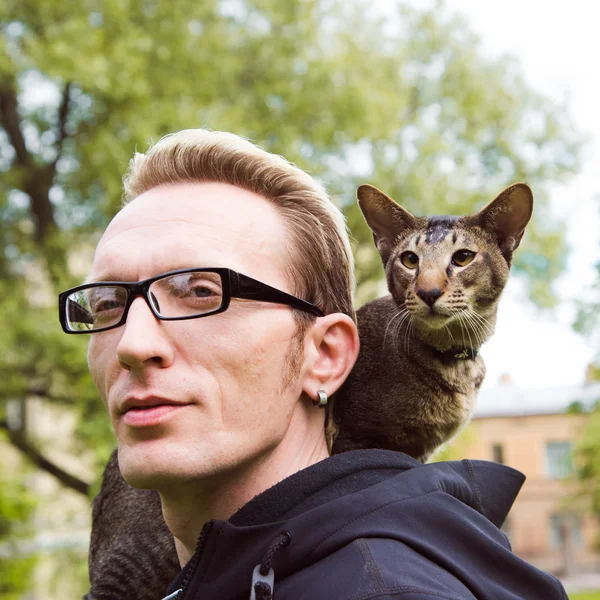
x: 407, y: 103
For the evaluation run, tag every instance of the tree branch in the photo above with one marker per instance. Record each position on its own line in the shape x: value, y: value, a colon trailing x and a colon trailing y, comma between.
x: 37, y: 181
x: 63, y: 114
x: 9, y: 117
x: 20, y: 442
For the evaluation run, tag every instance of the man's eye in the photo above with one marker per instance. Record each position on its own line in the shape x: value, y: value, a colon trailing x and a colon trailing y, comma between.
x: 202, y: 291
x: 106, y: 309
x: 105, y: 305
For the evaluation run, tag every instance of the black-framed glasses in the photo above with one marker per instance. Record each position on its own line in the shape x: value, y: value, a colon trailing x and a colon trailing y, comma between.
x: 172, y: 296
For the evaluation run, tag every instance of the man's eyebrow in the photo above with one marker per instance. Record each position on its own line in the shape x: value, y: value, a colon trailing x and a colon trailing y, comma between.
x: 104, y: 276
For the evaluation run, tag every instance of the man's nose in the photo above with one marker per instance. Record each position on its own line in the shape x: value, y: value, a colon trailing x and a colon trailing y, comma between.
x: 144, y: 341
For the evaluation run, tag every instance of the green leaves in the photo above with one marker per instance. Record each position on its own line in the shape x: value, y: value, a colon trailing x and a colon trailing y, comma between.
x: 16, y: 507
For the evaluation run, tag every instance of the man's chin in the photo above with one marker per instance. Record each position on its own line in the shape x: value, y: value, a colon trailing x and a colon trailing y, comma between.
x: 161, y: 464
x: 141, y: 470
x: 144, y: 480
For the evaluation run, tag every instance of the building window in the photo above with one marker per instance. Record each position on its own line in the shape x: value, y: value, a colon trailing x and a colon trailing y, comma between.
x: 559, y: 459
x: 498, y: 453
x: 565, y: 530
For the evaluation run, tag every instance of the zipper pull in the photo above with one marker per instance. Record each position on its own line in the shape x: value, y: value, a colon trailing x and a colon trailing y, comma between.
x: 176, y: 594
x: 257, y: 577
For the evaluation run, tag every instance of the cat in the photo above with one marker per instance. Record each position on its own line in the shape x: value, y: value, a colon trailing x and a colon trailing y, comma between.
x: 132, y: 552
x: 412, y: 389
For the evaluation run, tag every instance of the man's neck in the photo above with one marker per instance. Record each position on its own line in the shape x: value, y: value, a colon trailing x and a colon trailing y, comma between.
x: 187, y: 506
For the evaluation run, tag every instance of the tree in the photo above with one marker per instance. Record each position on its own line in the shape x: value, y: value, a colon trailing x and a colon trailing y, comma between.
x: 588, y: 449
x: 588, y: 321
x: 588, y: 462
x: 16, y: 506
x: 406, y: 102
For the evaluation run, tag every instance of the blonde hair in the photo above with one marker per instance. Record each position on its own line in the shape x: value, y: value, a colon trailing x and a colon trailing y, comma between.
x: 320, y: 265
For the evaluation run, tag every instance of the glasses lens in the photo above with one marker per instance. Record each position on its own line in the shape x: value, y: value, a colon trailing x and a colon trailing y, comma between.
x: 95, y: 307
x: 187, y: 294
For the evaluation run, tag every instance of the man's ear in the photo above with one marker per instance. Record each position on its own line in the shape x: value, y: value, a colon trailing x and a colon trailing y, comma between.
x: 331, y: 349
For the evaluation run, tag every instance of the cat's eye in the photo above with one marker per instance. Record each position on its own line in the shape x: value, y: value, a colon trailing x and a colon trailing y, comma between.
x: 462, y: 258
x: 409, y: 259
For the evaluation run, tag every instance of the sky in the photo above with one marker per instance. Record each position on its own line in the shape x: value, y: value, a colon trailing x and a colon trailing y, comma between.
x: 558, y: 46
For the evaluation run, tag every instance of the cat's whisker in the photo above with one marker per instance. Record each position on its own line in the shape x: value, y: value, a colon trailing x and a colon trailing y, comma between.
x: 400, y: 312
x: 398, y: 327
x: 468, y: 330
x: 397, y: 335
x: 489, y: 327
x: 410, y: 328
x: 449, y: 333
x: 481, y: 327
x: 407, y: 336
x: 463, y: 319
x: 475, y: 314
x: 469, y: 323
x: 485, y: 326
x: 462, y: 331
x: 477, y: 328
x: 484, y: 332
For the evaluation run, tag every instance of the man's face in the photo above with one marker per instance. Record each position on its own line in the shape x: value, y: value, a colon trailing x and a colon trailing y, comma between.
x: 226, y: 372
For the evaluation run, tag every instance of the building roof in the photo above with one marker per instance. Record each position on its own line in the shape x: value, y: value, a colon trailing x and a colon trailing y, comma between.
x: 508, y: 400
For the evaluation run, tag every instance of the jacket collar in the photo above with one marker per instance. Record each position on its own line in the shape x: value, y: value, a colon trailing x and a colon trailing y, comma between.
x: 372, y: 493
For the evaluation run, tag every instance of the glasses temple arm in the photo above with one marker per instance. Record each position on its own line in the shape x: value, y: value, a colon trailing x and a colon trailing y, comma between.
x: 251, y: 289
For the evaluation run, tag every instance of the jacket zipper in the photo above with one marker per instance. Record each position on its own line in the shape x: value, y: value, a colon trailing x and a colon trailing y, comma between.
x: 194, y: 561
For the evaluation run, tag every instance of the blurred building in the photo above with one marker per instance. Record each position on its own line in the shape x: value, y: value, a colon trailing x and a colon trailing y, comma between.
x: 536, y: 431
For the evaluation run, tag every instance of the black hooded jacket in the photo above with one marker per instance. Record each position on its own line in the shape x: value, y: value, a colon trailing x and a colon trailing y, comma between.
x: 370, y: 524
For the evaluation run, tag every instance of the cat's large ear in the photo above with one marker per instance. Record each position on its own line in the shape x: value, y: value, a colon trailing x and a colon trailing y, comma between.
x: 385, y: 217
x: 507, y: 215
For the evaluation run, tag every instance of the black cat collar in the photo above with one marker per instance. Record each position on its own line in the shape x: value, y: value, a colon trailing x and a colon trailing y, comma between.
x: 459, y: 353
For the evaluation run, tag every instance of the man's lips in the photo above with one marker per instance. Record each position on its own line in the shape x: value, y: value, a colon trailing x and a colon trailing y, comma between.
x: 149, y: 411
x: 147, y: 402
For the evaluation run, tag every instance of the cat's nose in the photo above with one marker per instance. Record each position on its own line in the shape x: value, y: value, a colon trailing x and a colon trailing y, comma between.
x: 429, y: 296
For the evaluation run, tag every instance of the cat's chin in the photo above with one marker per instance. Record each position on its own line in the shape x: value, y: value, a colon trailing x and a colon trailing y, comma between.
x: 434, y: 321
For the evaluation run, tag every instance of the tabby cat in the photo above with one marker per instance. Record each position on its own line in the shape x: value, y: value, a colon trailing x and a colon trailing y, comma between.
x: 417, y: 376
x: 413, y: 387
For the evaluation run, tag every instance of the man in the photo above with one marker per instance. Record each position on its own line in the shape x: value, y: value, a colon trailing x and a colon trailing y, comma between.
x: 220, y: 308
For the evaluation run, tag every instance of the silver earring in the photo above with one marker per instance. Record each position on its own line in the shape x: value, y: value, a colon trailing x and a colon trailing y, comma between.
x: 321, y: 400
